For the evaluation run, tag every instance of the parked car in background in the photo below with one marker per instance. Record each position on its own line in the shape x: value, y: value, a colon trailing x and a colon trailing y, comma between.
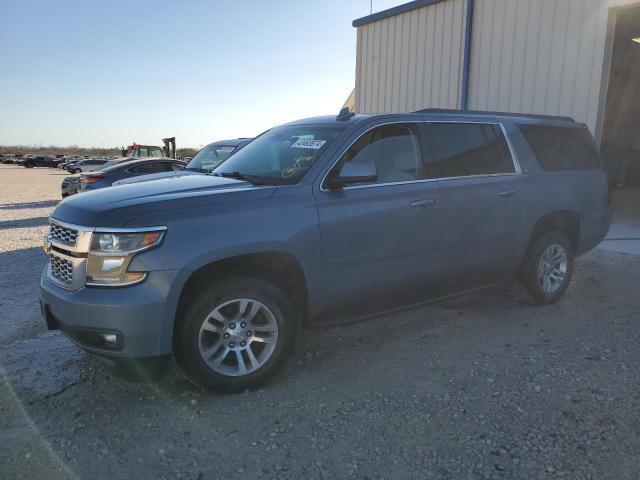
x: 41, y: 161
x: 122, y: 170
x: 8, y: 159
x: 85, y: 165
x: 71, y: 184
x: 205, y: 160
x: 322, y: 219
x: 69, y: 159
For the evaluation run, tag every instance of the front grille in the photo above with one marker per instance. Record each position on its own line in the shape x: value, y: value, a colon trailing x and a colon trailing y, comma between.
x: 61, y: 270
x: 63, y: 234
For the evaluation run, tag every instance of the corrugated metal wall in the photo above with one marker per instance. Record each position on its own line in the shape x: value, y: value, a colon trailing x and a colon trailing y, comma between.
x: 530, y: 56
x: 539, y: 56
x: 411, y: 60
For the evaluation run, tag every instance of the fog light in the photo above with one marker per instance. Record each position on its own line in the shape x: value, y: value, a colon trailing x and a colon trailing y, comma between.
x: 110, y: 339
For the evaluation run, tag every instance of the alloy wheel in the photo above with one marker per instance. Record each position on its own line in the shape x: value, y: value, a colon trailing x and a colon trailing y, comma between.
x: 552, y: 268
x: 238, y: 337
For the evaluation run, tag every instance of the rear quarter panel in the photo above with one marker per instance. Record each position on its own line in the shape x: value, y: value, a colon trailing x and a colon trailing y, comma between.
x: 584, y: 192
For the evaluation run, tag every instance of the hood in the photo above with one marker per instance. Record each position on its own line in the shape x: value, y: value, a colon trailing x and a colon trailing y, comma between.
x: 155, y: 176
x: 124, y: 205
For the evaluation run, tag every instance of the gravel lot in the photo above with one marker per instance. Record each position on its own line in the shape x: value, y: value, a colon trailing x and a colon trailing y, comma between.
x: 483, y: 386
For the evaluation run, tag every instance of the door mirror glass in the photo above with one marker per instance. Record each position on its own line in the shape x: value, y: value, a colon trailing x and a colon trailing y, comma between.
x: 351, y: 173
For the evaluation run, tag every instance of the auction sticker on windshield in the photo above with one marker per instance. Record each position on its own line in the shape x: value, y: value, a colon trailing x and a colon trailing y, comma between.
x: 305, y: 143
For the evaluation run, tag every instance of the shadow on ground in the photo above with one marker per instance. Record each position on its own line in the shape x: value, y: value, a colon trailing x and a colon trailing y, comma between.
x: 24, y: 223
x: 29, y: 205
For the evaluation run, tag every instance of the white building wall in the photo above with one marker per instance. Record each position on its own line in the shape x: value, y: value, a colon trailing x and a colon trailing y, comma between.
x: 540, y: 56
x: 411, y: 60
x: 530, y: 56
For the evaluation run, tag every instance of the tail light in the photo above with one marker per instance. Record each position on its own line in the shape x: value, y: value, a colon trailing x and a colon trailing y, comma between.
x: 91, y: 179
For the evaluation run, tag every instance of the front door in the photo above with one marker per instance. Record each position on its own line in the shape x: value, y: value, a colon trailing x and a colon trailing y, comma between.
x: 377, y: 237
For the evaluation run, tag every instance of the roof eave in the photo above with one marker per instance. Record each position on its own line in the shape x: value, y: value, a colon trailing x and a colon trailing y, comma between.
x: 392, y: 12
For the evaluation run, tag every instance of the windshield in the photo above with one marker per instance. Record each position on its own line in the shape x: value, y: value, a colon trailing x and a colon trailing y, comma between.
x: 210, y: 157
x: 283, y: 154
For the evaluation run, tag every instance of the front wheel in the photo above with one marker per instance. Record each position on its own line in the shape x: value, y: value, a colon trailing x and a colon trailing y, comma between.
x: 77, y: 170
x: 548, y: 268
x: 235, y: 335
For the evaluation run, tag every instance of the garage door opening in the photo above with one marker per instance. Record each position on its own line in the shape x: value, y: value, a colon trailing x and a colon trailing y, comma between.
x: 621, y: 126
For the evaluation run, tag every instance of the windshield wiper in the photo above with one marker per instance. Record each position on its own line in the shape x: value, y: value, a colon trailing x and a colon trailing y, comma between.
x: 241, y: 176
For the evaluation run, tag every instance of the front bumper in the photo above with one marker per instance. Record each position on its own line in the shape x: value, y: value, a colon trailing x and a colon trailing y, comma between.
x: 141, y: 316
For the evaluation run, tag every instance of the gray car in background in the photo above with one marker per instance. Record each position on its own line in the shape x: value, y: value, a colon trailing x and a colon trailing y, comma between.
x: 323, y: 219
x: 105, y: 177
x: 71, y: 183
x: 210, y: 157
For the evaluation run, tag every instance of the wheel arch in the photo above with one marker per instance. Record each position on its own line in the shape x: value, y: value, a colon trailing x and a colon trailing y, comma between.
x: 564, y: 221
x: 278, y: 267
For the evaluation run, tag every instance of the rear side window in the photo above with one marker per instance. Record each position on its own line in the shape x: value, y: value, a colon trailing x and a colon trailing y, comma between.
x: 146, y: 168
x: 394, y: 150
x: 562, y: 148
x: 467, y: 149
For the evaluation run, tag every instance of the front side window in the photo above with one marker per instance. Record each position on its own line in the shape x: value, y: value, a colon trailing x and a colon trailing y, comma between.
x: 394, y: 150
x: 282, y: 155
x: 467, y: 149
x: 210, y: 157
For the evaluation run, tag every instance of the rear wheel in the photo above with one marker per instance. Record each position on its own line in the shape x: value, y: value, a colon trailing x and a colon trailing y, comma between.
x: 549, y: 268
x: 236, y: 334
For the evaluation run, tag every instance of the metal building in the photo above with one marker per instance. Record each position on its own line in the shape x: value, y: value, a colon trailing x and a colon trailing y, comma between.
x: 574, y: 58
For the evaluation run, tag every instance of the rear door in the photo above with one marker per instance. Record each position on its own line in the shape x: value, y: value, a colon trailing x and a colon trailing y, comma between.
x: 480, y: 199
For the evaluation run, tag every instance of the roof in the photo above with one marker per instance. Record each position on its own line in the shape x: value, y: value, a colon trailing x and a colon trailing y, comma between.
x: 494, y: 114
x: 233, y: 142
x: 391, y: 12
x: 137, y: 161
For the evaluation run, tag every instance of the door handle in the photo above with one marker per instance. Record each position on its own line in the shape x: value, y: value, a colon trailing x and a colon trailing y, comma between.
x: 507, y: 193
x: 427, y: 202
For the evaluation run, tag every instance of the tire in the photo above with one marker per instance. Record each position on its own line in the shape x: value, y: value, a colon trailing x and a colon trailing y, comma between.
x: 218, y: 308
x: 548, y: 268
x: 77, y: 170
x: 28, y: 165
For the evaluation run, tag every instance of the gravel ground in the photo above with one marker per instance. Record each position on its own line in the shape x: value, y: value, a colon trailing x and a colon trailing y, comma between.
x: 483, y: 386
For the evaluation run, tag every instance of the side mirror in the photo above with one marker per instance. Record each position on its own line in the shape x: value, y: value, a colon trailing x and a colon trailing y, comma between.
x: 351, y: 173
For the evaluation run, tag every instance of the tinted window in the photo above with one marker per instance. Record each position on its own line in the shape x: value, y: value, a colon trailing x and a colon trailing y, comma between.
x: 146, y: 168
x: 175, y: 167
x: 562, y: 148
x: 467, y: 149
x: 393, y: 149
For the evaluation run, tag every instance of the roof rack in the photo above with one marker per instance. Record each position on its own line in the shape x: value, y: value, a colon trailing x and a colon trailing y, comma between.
x: 496, y: 114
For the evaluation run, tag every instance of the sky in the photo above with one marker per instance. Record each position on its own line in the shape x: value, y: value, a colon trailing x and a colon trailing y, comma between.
x: 108, y: 73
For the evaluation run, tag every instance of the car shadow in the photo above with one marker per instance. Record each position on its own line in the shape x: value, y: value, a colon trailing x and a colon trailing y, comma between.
x: 24, y: 223
x: 28, y: 205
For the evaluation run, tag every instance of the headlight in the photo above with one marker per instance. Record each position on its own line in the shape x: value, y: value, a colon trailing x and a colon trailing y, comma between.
x: 112, y: 252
